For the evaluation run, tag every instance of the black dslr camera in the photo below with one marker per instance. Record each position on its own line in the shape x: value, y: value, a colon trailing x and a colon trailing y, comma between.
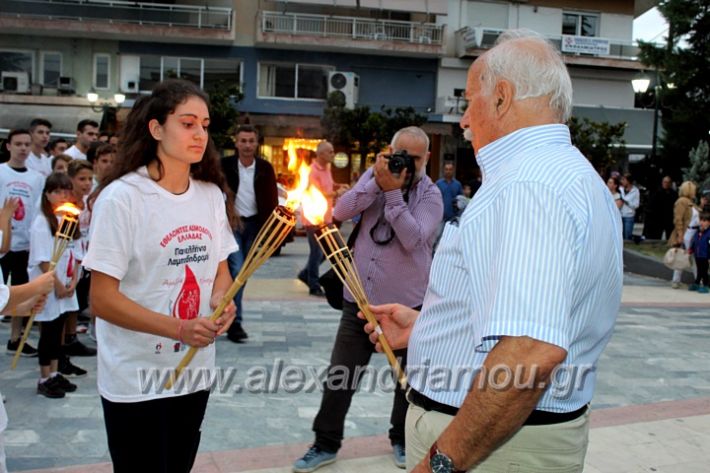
x: 400, y: 160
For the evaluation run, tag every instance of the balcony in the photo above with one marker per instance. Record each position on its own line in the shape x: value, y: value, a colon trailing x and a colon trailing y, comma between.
x: 350, y: 34
x: 576, y: 50
x: 117, y: 20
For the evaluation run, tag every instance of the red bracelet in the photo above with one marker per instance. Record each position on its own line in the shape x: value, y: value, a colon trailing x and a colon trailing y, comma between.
x: 181, y: 322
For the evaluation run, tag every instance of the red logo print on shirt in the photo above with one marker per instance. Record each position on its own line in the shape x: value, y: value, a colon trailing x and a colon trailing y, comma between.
x: 70, y: 265
x: 19, y: 214
x: 187, y: 305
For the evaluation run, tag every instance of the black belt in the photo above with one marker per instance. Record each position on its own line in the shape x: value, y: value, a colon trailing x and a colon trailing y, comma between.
x: 250, y: 219
x: 536, y: 417
x: 419, y: 399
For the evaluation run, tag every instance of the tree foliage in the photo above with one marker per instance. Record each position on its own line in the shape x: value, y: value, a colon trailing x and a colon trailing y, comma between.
x: 224, y: 97
x: 699, y: 170
x: 602, y: 143
x: 362, y: 130
x: 684, y: 62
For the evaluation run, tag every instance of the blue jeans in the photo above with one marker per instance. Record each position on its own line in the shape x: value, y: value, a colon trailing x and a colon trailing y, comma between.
x: 628, y: 223
x: 315, y: 258
x: 245, y: 237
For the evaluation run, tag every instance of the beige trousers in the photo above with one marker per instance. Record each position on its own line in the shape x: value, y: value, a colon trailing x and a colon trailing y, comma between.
x: 556, y: 448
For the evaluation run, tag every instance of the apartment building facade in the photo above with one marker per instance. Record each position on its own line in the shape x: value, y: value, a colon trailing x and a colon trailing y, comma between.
x: 288, y: 55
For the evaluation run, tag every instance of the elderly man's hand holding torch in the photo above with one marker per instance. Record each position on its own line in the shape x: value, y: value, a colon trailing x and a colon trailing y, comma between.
x: 396, y: 322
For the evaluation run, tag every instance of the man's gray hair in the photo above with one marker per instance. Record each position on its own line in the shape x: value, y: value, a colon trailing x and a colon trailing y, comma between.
x: 532, y: 75
x: 414, y: 132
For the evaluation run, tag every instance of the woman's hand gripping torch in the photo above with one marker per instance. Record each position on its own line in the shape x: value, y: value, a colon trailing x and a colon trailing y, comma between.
x: 268, y: 240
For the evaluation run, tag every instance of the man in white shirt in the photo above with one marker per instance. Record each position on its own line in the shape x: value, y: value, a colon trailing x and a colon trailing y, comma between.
x: 254, y: 183
x: 87, y: 131
x: 39, y: 160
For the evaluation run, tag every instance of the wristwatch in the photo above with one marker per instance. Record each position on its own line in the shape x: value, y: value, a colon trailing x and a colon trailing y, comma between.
x: 440, y: 462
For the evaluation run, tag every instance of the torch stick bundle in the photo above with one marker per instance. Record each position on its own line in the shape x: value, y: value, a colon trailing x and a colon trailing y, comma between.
x: 268, y: 240
x: 338, y: 254
x: 65, y: 234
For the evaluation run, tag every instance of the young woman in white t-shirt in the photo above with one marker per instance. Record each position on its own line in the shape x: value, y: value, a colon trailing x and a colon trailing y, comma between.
x: 160, y: 236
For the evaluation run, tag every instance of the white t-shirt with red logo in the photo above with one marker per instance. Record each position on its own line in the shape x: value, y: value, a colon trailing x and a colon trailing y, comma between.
x: 164, y: 249
x: 42, y: 164
x: 41, y: 248
x: 28, y: 186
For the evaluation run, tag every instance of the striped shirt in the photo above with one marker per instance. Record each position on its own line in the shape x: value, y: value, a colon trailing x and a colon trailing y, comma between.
x: 399, y: 270
x: 536, y: 253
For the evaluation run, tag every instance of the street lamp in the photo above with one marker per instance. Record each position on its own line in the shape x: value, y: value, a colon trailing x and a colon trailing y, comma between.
x: 93, y: 99
x: 640, y: 85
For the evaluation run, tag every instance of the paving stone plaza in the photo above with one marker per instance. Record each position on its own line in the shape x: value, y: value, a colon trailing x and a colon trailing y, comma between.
x: 651, y: 408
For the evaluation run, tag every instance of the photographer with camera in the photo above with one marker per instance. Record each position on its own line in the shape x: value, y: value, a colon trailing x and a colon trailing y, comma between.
x: 401, y: 209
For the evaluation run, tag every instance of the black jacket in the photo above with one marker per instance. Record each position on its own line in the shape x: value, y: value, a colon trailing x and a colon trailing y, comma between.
x: 267, y: 197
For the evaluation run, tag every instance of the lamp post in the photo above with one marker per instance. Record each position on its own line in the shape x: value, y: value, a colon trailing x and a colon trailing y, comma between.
x: 107, y: 108
x: 97, y: 107
x: 640, y: 85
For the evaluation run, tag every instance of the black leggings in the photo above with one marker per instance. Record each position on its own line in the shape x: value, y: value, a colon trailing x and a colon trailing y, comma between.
x: 50, y: 340
x: 159, y: 436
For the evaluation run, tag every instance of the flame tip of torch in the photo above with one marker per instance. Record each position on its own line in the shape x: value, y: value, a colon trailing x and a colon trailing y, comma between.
x: 69, y: 208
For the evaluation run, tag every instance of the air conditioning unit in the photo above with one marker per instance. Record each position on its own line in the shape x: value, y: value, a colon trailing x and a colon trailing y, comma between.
x: 130, y: 67
x: 65, y: 85
x: 346, y: 83
x: 486, y: 37
x: 18, y: 82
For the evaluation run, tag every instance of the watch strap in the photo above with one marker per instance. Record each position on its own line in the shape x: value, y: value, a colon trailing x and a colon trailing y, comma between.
x: 434, y: 450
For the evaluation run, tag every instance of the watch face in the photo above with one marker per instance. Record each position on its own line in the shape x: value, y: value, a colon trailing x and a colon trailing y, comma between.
x: 440, y: 463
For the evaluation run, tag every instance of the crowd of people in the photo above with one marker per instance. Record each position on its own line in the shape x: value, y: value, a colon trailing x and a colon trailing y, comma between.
x: 515, y: 279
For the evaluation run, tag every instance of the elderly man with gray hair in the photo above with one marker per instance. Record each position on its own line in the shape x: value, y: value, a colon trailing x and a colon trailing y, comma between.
x: 523, y: 293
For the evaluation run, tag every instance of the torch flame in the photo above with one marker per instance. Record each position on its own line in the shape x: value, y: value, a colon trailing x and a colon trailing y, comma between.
x: 68, y: 208
x: 315, y: 205
x: 292, y: 156
x: 296, y: 195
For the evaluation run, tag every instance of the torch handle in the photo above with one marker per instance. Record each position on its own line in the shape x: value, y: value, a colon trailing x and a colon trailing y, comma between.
x: 223, y: 303
x: 23, y: 340
x: 228, y: 296
x: 28, y: 327
x: 394, y: 363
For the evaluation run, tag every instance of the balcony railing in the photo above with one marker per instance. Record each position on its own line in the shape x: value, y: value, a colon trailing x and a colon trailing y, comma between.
x: 351, y: 28
x: 219, y: 18
x: 484, y: 38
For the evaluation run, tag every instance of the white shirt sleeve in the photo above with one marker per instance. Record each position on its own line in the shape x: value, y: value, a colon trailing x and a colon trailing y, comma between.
x: 531, y: 289
x: 41, y: 242
x: 229, y: 244
x: 112, y: 237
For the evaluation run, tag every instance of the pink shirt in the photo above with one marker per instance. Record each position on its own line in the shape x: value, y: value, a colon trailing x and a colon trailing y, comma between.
x: 321, y: 177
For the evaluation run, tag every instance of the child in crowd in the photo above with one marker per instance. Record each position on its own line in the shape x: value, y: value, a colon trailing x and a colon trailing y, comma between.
x: 82, y: 178
x: 103, y: 161
x: 57, y: 191
x: 39, y: 160
x: 60, y: 163
x: 700, y: 247
x: 58, y: 146
x: 26, y: 186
